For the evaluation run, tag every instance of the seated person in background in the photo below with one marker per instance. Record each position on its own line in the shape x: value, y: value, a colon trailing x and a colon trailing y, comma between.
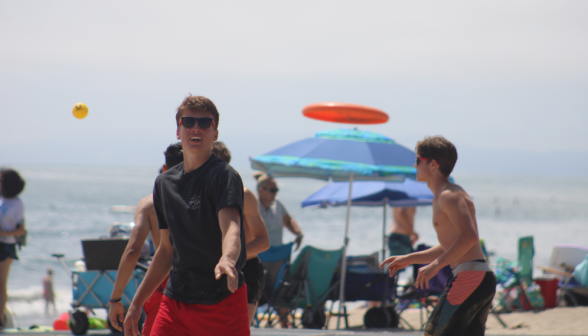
x: 256, y: 238
x: 145, y: 223
x: 274, y: 212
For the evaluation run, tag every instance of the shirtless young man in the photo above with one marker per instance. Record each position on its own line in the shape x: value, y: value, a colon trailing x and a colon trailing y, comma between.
x: 402, y: 235
x: 463, y: 307
x: 199, y: 207
x: 256, y: 238
x: 145, y: 223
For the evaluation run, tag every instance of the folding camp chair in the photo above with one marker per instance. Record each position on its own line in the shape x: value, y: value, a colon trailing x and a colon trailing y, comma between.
x: 424, y: 298
x: 365, y: 281
x: 276, y: 261
x: 519, y: 276
x: 307, y: 285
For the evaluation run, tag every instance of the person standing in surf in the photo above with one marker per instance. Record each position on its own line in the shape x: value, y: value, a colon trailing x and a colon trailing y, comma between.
x: 463, y: 307
x: 199, y: 207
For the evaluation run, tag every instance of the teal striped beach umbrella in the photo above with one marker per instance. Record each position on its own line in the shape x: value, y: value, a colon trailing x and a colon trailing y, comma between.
x: 335, y: 154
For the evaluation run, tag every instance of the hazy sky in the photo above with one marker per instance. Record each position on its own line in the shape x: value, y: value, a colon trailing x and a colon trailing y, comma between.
x: 506, y: 81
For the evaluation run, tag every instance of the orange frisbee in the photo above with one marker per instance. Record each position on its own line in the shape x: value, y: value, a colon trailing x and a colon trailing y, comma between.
x: 345, y: 113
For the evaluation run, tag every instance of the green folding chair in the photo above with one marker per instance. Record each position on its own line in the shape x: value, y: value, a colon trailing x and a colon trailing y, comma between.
x: 307, y: 285
x: 522, y: 272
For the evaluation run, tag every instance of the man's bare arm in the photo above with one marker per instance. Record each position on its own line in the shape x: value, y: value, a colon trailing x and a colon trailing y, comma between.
x: 253, y: 220
x: 292, y: 225
x: 19, y: 231
x: 132, y: 252
x: 229, y: 220
x: 158, y: 270
x: 421, y: 257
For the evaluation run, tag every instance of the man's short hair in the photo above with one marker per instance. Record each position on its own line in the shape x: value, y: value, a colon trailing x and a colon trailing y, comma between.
x: 12, y: 183
x: 439, y: 149
x: 174, y: 155
x: 197, y: 104
x: 220, y: 149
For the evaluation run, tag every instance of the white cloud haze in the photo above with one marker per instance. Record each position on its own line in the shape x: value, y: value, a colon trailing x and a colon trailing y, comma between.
x: 501, y: 79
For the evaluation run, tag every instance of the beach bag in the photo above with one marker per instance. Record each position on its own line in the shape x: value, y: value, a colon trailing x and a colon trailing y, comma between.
x: 21, y: 240
x: 581, y: 272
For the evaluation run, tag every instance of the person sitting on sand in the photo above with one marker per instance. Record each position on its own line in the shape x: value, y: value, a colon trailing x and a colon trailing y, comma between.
x: 463, y: 307
x: 11, y: 226
x: 145, y: 224
x: 199, y: 207
x: 256, y: 238
x: 48, y: 293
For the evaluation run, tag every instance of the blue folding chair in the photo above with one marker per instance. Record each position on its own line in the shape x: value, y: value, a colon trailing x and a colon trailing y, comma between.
x: 276, y: 261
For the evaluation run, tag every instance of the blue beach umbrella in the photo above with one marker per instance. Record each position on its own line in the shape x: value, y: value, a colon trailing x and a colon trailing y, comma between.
x: 335, y: 154
x: 373, y: 193
x: 341, y: 155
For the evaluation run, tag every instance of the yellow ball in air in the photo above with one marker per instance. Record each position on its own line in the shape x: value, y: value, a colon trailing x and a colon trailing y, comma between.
x: 80, y: 110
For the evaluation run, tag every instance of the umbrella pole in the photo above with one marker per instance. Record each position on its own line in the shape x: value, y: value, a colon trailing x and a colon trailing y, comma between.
x: 342, y: 307
x: 384, y: 230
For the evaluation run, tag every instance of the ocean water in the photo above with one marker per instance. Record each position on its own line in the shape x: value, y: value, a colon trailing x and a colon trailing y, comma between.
x: 65, y: 205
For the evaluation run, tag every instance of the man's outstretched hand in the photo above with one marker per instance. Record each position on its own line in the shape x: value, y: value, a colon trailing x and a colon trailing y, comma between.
x: 425, y: 274
x: 395, y: 264
x: 227, y: 267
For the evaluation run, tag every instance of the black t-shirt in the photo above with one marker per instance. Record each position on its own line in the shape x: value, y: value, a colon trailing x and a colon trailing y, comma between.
x: 188, y: 205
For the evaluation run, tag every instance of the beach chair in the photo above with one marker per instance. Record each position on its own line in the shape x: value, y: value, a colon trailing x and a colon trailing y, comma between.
x: 307, y: 285
x: 517, y: 276
x: 573, y: 286
x: 365, y: 281
x: 276, y: 261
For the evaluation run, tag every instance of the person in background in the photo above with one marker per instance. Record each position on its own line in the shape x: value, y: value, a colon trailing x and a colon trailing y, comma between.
x: 276, y: 217
x: 402, y: 235
x: 145, y: 224
x: 48, y: 293
x: 274, y: 212
x: 11, y: 226
x: 256, y: 238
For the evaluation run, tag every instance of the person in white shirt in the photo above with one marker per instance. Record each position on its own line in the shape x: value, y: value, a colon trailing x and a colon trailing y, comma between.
x: 11, y: 226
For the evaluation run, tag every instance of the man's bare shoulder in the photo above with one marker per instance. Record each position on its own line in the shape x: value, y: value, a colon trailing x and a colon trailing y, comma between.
x: 249, y: 198
x: 145, y: 204
x: 452, y: 194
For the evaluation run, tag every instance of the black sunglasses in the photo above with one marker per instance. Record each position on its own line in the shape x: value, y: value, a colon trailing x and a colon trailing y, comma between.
x: 272, y: 190
x: 189, y: 122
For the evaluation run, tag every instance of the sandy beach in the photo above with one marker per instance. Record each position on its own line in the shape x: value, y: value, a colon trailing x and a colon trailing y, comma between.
x: 556, y: 321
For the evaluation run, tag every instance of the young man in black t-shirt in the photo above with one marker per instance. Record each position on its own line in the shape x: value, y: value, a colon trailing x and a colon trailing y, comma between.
x: 199, y: 206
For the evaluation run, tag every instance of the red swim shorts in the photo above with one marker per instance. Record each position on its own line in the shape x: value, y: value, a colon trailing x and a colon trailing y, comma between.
x: 228, y: 317
x: 151, y: 307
